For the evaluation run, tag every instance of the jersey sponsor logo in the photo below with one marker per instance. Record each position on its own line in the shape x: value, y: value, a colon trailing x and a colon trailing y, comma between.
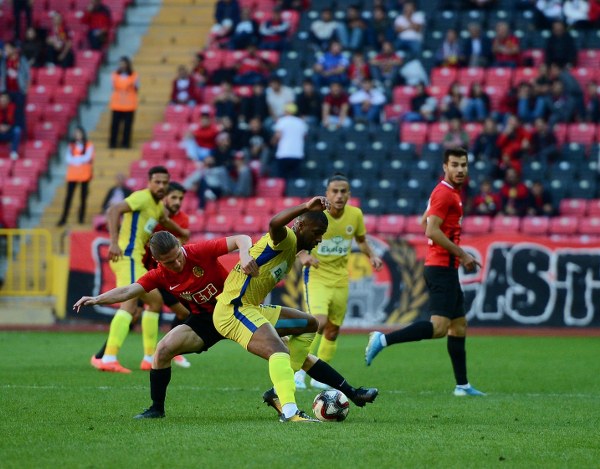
x: 198, y: 271
x: 279, y: 271
x: 336, y: 246
x: 150, y: 225
x: 174, y: 286
x: 202, y: 296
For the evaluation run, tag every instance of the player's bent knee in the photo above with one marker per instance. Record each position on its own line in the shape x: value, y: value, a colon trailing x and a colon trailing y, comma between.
x: 331, y: 331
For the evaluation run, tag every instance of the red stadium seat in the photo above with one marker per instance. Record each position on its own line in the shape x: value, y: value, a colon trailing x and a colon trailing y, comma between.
x: 589, y: 225
x: 560, y: 130
x: 475, y: 225
x: 29, y: 168
x: 563, y: 225
x: 584, y: 75
x: 535, y: 56
x: 593, y: 207
x: 437, y: 132
x: 260, y: 206
x: 525, y: 74
x: 286, y: 202
x: 197, y: 222
x: 582, y: 132
x: 577, y: 207
x: 154, y: 150
x: 252, y: 224
x: 270, y: 187
x: 394, y: 112
x: 177, y: 114
x: 403, y: 94
x: 176, y: 169
x: 78, y: 76
x: 166, y: 132
x: 473, y: 129
x: 413, y: 132
x: 40, y: 95
x: 506, y: 224
x: 49, y: 76
x: 443, y: 76
x: 588, y: 58
x: 537, y: 226
x: 470, y: 75
x: 219, y: 224
x: 499, y: 76
x: 391, y: 224
x: 231, y: 206
x: 413, y: 225
x: 371, y: 222
x: 496, y: 94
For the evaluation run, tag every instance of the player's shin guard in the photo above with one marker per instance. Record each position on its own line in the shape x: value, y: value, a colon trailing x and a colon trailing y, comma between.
x: 150, y: 331
x: 119, y: 328
x: 327, y: 349
x: 282, y: 376
x: 299, y: 346
x: 159, y: 380
x: 314, y: 348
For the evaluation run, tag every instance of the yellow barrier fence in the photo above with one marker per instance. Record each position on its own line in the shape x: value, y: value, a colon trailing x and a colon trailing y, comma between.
x: 26, y: 262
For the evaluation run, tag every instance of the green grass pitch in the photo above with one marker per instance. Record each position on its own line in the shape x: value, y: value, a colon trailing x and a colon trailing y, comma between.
x: 542, y: 410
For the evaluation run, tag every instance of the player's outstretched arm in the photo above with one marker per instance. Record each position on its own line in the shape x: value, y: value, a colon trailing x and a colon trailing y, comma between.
x: 116, y: 295
x: 278, y: 222
x: 243, y: 243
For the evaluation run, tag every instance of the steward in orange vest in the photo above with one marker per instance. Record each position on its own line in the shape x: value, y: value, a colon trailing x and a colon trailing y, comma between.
x: 123, y: 103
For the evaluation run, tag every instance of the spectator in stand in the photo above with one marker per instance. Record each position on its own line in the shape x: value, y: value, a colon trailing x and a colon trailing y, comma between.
x: 379, y: 29
x: 221, y: 33
x: 33, y: 49
x: 290, y: 132
x: 386, y: 64
x: 241, y: 175
x: 223, y: 152
x: 226, y: 102
x: 309, y: 103
x: 476, y: 48
x: 423, y: 107
x: 255, y: 106
x: 529, y: 105
x: 594, y: 13
x: 227, y: 10
x: 336, y: 107
x: 80, y: 159
x: 477, y: 105
x: 123, y: 102
x: 456, y: 137
x: 14, y: 79
x: 331, y: 66
x: 484, y: 147
x: 245, y: 32
x: 409, y: 30
x: 358, y: 69
x: 453, y: 103
x: 486, y: 202
x: 450, y: 53
x: 9, y: 130
x: 20, y: 8
x: 560, y: 46
x: 547, y: 12
x: 99, y: 21
x: 183, y: 90
x: 592, y: 104
x: 508, y: 105
x: 278, y: 96
x: 274, y: 32
x: 60, y: 44
x: 251, y: 68
x: 367, y: 103
x: 352, y: 30
x: 117, y: 193
x: 505, y: 47
x: 560, y: 106
x: 540, y: 201
x: 513, y: 143
x: 577, y: 13
x: 481, y: 4
x: 571, y: 86
x: 544, y: 144
x: 200, y: 74
x: 201, y: 143
x: 514, y: 194
x: 324, y: 30
x: 256, y: 144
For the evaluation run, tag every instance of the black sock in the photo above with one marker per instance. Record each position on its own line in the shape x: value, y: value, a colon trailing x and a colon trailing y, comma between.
x: 458, y: 356
x: 413, y: 333
x: 100, y: 352
x: 323, y: 372
x: 159, y: 380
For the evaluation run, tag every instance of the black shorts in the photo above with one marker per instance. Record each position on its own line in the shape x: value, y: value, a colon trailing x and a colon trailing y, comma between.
x: 202, y: 325
x: 445, y: 295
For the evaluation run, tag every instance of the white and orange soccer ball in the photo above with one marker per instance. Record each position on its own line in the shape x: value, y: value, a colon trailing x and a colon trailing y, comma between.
x: 331, y: 406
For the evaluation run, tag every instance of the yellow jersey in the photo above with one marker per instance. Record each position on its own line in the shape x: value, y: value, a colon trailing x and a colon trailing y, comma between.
x: 334, y: 251
x: 274, y: 262
x: 138, y: 225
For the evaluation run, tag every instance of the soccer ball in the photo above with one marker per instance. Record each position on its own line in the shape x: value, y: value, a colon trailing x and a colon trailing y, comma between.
x: 331, y: 406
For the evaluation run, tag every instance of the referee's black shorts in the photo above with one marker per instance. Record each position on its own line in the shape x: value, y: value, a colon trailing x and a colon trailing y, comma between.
x: 445, y: 294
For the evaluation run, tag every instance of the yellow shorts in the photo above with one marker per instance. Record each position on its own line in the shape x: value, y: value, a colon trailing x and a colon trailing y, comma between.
x: 127, y: 270
x: 323, y: 300
x: 240, y: 323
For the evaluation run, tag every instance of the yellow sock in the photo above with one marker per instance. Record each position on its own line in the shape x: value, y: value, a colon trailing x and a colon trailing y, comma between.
x: 149, y: 331
x: 282, y: 376
x: 299, y: 346
x: 314, y: 347
x: 119, y: 328
x: 327, y: 349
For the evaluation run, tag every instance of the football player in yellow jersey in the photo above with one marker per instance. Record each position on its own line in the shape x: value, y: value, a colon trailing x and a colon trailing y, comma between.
x: 240, y: 316
x: 326, y: 271
x: 141, y: 212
